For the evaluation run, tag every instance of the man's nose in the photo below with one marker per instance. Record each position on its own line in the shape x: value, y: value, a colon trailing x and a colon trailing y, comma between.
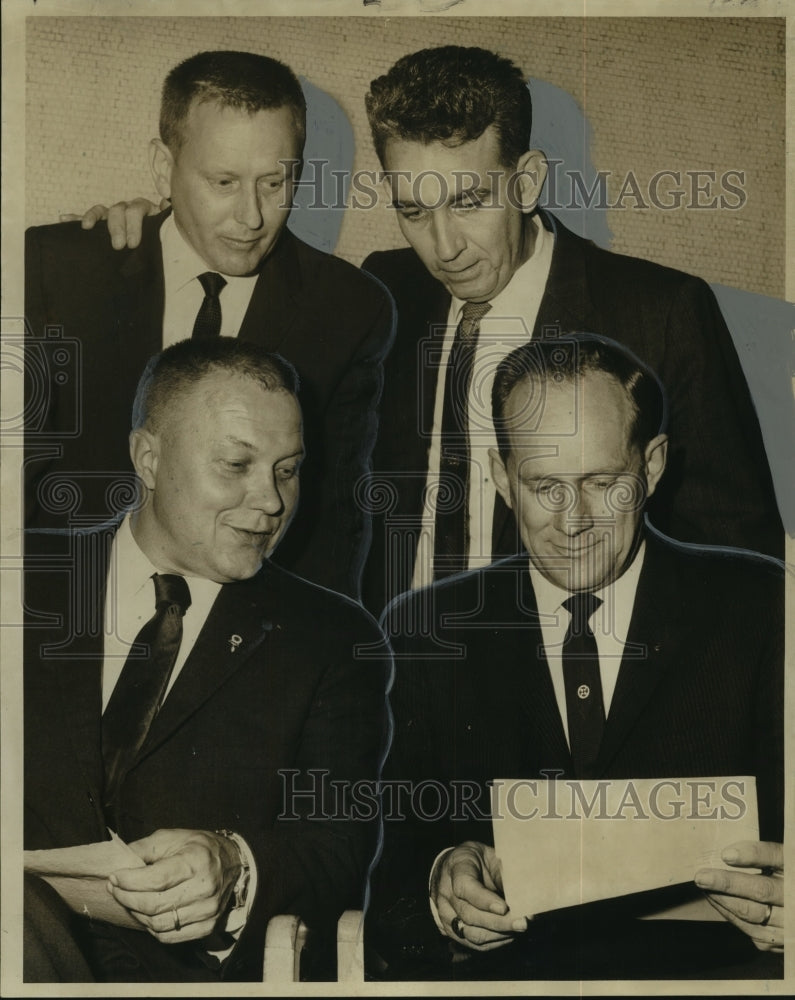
x: 247, y: 208
x: 264, y: 494
x: 447, y: 237
x: 578, y: 514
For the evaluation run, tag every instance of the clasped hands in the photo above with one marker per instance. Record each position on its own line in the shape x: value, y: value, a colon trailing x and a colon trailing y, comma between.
x: 468, y: 895
x: 184, y: 887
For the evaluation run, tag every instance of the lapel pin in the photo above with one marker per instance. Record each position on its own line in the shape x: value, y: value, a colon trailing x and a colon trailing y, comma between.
x: 234, y: 642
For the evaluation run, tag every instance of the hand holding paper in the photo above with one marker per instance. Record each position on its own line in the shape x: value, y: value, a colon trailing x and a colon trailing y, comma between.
x: 174, y: 883
x: 753, y: 902
x: 564, y: 843
x: 469, y: 899
x: 184, y: 886
x: 79, y: 875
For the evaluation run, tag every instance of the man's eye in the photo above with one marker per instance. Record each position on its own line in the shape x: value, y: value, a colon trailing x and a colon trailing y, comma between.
x: 412, y: 214
x: 469, y: 201
x: 235, y: 465
x: 287, y: 471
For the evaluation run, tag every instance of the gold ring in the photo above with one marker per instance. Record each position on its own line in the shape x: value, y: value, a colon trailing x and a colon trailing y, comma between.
x: 768, y: 915
x: 177, y: 924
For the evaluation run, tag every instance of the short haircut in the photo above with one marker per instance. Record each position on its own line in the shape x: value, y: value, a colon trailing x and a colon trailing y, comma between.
x: 240, y: 80
x: 570, y: 357
x: 451, y: 94
x: 181, y: 366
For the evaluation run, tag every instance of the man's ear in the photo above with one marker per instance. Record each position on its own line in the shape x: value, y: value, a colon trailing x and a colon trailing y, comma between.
x: 500, y: 476
x: 655, y: 457
x: 161, y: 161
x: 531, y: 173
x: 144, y: 453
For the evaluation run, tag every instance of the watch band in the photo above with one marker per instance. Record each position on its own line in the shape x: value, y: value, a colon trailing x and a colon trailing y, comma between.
x: 240, y: 890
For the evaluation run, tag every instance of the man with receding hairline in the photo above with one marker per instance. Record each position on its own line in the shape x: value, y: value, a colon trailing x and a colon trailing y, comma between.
x: 175, y: 693
x: 602, y: 651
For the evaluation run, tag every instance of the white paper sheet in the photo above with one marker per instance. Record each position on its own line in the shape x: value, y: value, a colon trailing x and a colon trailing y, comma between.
x: 563, y: 843
x: 79, y: 875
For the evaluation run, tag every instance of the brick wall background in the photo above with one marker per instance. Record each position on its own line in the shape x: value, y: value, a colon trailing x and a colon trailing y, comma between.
x: 660, y: 94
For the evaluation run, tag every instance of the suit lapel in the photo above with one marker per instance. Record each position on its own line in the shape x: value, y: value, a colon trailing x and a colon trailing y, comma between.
x: 438, y: 308
x: 657, y: 631
x: 237, y: 612
x: 76, y: 662
x: 540, y: 707
x: 139, y: 301
x: 274, y: 303
x: 566, y: 304
x: 412, y: 373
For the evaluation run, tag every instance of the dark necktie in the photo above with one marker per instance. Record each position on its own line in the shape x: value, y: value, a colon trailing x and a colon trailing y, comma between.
x: 451, y: 536
x: 208, y: 318
x: 142, y: 683
x: 584, y: 705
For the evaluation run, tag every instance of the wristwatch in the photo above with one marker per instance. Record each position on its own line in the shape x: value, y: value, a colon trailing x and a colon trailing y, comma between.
x: 240, y: 891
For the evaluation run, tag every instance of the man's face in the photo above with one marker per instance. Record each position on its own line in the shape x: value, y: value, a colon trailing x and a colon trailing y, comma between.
x: 223, y: 476
x: 575, y: 484
x: 461, y: 212
x: 230, y: 190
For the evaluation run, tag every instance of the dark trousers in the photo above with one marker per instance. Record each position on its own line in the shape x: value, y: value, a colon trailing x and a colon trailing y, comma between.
x: 60, y: 946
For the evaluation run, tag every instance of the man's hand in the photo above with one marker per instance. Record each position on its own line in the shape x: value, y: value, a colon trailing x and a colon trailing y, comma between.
x: 125, y: 219
x: 185, y: 886
x: 752, y: 902
x: 469, y: 899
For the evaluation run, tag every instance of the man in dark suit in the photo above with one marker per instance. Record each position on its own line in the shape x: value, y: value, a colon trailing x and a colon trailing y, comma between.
x: 604, y: 651
x: 214, y: 762
x: 451, y: 127
x: 232, y: 133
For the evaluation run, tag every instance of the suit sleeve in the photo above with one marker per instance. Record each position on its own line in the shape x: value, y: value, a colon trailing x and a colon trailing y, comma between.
x: 314, y: 861
x: 424, y: 812
x: 717, y: 488
x: 40, y: 402
x: 769, y: 717
x: 334, y: 546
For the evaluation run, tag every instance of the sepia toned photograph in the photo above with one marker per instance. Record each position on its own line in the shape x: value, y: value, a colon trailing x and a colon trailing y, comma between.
x: 398, y: 500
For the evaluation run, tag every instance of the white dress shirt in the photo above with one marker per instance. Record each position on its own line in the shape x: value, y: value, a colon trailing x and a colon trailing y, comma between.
x: 609, y: 624
x: 508, y: 324
x: 129, y: 604
x: 184, y: 293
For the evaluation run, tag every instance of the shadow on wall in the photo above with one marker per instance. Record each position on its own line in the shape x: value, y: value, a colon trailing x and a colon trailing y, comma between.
x: 328, y: 162
x: 761, y: 327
